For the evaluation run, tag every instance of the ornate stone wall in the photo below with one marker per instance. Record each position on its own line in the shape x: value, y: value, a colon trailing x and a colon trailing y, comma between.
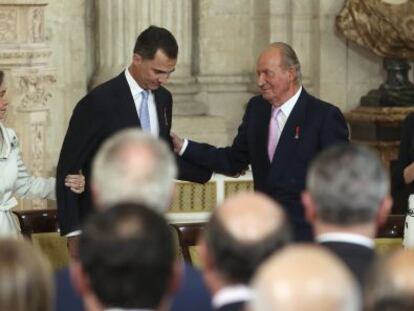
x: 25, y: 59
x: 52, y: 50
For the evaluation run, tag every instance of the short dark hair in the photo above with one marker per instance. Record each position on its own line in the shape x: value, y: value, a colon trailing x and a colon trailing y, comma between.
x: 237, y: 261
x: 153, y: 39
x: 1, y: 77
x: 128, y: 254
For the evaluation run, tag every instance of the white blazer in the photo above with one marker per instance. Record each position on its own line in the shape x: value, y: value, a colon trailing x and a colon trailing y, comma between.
x: 15, y: 180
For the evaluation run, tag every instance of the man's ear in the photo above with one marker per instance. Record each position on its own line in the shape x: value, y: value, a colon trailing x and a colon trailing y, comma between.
x: 176, y: 277
x: 136, y: 59
x: 309, y: 205
x: 79, y: 279
x: 95, y: 195
x: 384, y: 210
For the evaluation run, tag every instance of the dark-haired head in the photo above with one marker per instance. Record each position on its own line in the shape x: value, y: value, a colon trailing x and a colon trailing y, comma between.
x: 153, y: 39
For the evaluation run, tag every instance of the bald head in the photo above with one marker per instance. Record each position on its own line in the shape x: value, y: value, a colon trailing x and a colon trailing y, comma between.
x: 392, y: 282
x: 250, y: 217
x: 242, y: 232
x: 307, y: 272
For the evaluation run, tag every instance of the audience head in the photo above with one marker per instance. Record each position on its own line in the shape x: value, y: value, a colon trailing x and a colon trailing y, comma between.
x: 126, y: 258
x: 133, y: 166
x: 391, y: 283
x: 241, y: 233
x: 154, y: 59
x: 347, y: 185
x: 278, y: 73
x: 25, y: 277
x: 304, y: 277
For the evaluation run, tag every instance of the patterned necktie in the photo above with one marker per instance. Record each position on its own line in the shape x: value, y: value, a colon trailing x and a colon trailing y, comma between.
x: 144, y: 113
x: 274, y: 133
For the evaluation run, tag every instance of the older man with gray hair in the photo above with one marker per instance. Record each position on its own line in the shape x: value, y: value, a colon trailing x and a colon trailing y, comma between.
x: 347, y: 198
x: 132, y: 166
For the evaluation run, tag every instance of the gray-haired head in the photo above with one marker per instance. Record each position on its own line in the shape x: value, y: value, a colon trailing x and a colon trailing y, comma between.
x: 348, y: 184
x: 133, y: 166
x: 289, y: 59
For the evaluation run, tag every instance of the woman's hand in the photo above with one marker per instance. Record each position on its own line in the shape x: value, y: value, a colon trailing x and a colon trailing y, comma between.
x: 76, y: 183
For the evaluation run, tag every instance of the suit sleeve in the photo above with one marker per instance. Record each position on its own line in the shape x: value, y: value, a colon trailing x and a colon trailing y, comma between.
x: 82, y: 136
x: 334, y: 128
x: 228, y: 160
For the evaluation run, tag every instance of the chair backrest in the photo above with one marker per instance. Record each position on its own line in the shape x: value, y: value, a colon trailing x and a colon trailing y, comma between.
x: 187, y: 237
x: 37, y: 221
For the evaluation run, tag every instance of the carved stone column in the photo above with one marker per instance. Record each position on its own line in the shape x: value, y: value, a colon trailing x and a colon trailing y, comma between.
x: 24, y: 57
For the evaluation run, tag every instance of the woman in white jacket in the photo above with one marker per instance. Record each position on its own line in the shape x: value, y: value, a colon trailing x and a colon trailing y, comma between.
x: 15, y: 180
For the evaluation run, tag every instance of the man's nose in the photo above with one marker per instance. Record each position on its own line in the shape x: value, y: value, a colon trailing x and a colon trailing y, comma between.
x: 259, y: 80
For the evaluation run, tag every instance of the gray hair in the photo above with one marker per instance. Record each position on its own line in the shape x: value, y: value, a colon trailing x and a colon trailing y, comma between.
x: 348, y: 183
x: 289, y: 59
x: 133, y: 166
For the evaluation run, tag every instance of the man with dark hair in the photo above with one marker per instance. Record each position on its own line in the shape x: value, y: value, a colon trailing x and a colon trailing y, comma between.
x: 135, y: 98
x: 347, y: 198
x: 244, y: 231
x: 282, y: 130
x: 126, y: 260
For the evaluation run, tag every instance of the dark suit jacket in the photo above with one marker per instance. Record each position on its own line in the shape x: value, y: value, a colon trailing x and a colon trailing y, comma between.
x: 356, y: 257
x: 104, y: 111
x: 312, y: 126
x: 406, y: 153
x: 193, y: 294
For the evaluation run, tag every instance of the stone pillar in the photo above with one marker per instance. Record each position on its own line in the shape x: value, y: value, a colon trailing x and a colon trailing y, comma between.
x: 119, y: 22
x: 24, y: 56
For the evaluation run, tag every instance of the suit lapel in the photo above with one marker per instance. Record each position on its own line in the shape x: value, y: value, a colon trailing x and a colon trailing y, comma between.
x: 126, y: 106
x: 262, y: 117
x: 290, y: 137
x: 163, y: 123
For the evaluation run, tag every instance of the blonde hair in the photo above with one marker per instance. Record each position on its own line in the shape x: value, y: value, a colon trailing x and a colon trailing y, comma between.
x: 25, y: 277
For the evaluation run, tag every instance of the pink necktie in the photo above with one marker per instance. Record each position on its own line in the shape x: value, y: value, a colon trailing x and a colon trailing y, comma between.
x: 273, y: 133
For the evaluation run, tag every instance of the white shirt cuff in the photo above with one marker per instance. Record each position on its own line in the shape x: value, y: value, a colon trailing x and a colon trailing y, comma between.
x: 183, y: 147
x: 73, y: 233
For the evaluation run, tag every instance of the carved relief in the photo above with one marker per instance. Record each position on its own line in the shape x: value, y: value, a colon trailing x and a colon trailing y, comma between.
x: 37, y: 139
x: 37, y: 27
x: 35, y: 89
x: 8, y: 25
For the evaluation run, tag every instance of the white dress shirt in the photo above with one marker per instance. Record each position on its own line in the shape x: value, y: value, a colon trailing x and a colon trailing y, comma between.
x: 136, y: 91
x: 346, y: 238
x: 231, y: 294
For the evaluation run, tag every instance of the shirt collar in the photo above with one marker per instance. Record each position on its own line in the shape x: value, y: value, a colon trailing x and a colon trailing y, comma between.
x: 287, y: 107
x: 133, y: 85
x: 346, y: 237
x: 231, y: 294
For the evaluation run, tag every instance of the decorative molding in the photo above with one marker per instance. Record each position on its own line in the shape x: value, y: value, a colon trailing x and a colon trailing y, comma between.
x: 35, y: 90
x: 37, y: 26
x: 8, y: 25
